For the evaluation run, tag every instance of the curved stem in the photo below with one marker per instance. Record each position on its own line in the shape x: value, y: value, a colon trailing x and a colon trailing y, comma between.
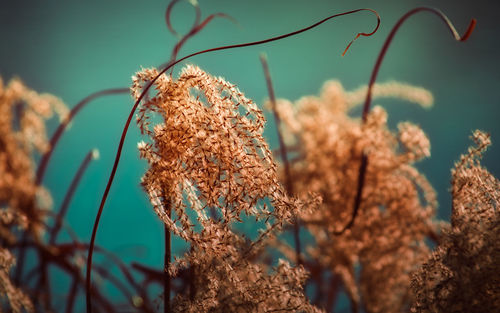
x: 390, y: 37
x: 284, y: 155
x: 69, y: 195
x: 168, y: 13
x: 64, y: 124
x: 136, y: 104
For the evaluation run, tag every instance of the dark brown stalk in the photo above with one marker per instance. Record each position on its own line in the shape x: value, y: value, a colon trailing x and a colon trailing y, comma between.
x: 43, y: 285
x: 333, y: 292
x: 69, y: 195
x: 168, y: 249
x: 136, y: 104
x: 373, y: 78
x: 60, y: 258
x: 71, y: 296
x: 70, y: 248
x: 168, y: 13
x: 195, y: 28
x: 18, y: 275
x: 284, y: 155
x: 64, y: 124
x: 192, y: 279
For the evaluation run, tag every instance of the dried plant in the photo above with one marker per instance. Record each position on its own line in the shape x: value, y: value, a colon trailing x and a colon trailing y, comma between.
x: 235, y: 282
x: 17, y: 299
x: 22, y: 133
x: 162, y: 202
x: 210, y: 170
x: 462, y: 273
x: 387, y: 241
x: 208, y: 155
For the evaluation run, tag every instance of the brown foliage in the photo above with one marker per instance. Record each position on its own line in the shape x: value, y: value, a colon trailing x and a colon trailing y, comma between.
x: 462, y: 273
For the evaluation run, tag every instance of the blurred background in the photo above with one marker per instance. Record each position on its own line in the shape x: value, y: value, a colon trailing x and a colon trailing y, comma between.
x: 71, y: 49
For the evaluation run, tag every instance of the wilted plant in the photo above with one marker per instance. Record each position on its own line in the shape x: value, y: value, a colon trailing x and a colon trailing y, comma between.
x: 462, y: 273
x: 349, y: 182
x: 386, y: 243
x: 208, y: 155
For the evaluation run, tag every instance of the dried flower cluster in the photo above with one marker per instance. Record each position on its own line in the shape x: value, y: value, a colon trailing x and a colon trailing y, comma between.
x: 15, y: 296
x: 462, y: 273
x: 22, y: 133
x: 210, y: 169
x: 208, y: 156
x: 237, y: 281
x: 386, y: 242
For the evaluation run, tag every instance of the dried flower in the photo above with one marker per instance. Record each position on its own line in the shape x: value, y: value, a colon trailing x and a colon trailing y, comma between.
x: 462, y: 273
x: 208, y: 155
x: 22, y: 133
x: 234, y: 282
x: 16, y: 298
x: 387, y: 241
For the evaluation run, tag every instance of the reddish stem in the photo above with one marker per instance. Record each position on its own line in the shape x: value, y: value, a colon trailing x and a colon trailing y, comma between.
x: 69, y: 195
x: 168, y: 249
x: 64, y: 124
x: 390, y: 37
x: 71, y: 296
x: 284, y: 155
x: 373, y: 78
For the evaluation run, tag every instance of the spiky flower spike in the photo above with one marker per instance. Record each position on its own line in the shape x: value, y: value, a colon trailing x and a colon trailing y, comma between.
x: 208, y: 150
x: 208, y: 155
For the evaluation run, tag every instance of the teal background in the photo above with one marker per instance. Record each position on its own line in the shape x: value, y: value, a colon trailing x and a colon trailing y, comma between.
x: 72, y: 49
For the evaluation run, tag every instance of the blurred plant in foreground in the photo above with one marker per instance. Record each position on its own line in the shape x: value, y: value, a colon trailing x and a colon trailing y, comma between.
x: 24, y: 204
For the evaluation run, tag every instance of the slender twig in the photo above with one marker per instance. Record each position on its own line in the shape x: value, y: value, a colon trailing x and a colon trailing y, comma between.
x: 284, y: 155
x: 70, y: 303
x: 139, y: 99
x: 64, y: 124
x: 192, y: 279
x: 43, y: 285
x: 92, y: 154
x: 20, y: 260
x: 168, y: 248
x: 195, y: 28
x: 277, y: 121
x: 373, y: 77
x: 333, y: 291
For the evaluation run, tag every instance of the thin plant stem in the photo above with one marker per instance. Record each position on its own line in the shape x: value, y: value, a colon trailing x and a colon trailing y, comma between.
x: 71, y: 296
x: 195, y: 28
x: 284, y: 155
x: 366, y: 107
x: 141, y: 96
x: 40, y: 173
x: 69, y: 195
x: 43, y: 285
x: 168, y: 249
x: 192, y: 279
